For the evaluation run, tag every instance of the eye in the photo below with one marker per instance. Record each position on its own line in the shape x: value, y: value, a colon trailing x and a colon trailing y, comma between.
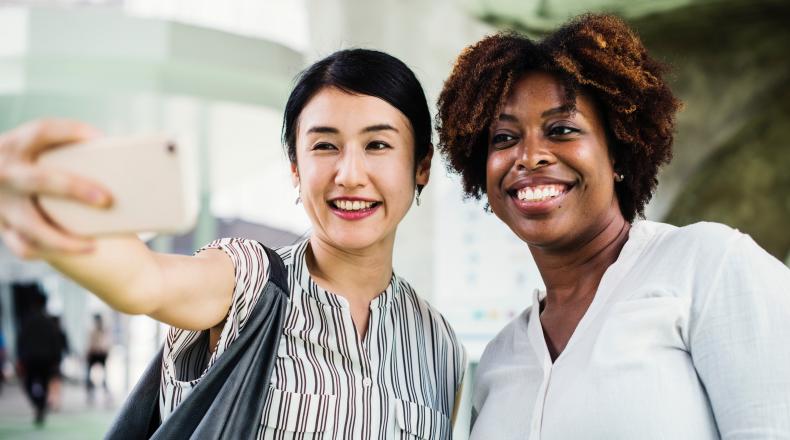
x: 377, y: 146
x: 502, y: 140
x: 324, y: 146
x: 562, y: 131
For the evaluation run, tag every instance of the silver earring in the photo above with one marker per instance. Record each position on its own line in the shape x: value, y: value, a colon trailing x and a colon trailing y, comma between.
x: 298, y: 195
x: 618, y: 177
x: 487, y: 208
x: 417, y: 197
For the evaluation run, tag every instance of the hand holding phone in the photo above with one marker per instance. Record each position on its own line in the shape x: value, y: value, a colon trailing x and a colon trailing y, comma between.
x: 23, y: 228
x: 146, y: 175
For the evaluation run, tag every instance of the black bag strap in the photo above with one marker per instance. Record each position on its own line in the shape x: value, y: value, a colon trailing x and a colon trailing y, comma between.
x: 278, y: 274
x: 228, y: 402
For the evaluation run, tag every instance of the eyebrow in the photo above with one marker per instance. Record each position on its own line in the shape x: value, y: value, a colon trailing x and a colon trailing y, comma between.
x: 507, y: 117
x: 566, y: 108
x: 379, y: 127
x: 322, y: 129
x: 368, y: 129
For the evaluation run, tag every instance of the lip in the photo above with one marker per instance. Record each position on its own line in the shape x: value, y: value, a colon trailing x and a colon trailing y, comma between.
x: 352, y: 199
x: 353, y: 215
x: 538, y: 207
x: 538, y: 180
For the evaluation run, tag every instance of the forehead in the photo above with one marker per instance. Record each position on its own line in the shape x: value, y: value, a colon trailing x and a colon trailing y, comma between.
x: 536, y: 86
x: 332, y: 107
x: 541, y: 91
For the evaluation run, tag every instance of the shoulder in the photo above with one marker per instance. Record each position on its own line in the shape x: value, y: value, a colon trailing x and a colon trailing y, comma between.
x: 719, y: 267
x: 704, y: 233
x: 708, y: 244
x: 730, y: 247
x: 698, y: 247
x: 240, y: 250
x: 707, y: 235
x: 251, y: 255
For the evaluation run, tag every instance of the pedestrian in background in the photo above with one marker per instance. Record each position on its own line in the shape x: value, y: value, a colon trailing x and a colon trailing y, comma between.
x: 38, y: 353
x: 98, y: 348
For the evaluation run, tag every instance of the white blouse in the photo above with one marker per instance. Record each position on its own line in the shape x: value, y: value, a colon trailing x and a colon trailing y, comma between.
x: 688, y: 337
x: 398, y: 382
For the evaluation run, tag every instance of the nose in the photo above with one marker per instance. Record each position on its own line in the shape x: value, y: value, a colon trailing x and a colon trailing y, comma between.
x: 352, y: 171
x: 533, y: 154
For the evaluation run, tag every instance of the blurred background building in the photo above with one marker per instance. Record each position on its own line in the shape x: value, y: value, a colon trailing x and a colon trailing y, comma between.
x: 216, y: 75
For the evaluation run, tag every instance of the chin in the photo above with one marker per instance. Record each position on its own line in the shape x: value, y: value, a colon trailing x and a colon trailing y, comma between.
x: 540, y: 232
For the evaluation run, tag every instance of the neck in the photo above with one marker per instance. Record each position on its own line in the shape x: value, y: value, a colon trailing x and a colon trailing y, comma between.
x: 359, y: 275
x: 572, y: 275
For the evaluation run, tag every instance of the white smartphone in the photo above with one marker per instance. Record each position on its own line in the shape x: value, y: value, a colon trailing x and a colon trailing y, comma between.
x: 149, y: 178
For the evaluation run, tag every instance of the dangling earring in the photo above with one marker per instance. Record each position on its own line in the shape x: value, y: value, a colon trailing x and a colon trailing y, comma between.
x: 487, y: 208
x: 298, y: 195
x: 419, y: 191
x: 618, y: 177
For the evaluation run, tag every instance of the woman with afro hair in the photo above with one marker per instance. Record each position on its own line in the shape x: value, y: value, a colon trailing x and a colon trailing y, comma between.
x: 645, y: 330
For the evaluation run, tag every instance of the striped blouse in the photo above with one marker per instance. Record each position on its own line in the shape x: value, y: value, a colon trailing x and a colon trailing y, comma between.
x: 400, y: 381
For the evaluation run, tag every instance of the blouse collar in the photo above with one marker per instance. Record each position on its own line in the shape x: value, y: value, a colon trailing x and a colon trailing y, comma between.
x: 330, y: 299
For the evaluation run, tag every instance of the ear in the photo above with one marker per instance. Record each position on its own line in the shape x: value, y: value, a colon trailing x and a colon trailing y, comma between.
x: 294, y: 174
x: 424, y: 168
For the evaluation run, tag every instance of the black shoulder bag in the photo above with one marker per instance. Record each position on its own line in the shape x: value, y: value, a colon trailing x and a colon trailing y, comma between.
x: 228, y: 401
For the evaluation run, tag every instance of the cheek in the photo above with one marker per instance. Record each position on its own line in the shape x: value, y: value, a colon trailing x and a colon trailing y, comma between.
x: 599, y: 177
x: 596, y: 165
x: 313, y: 179
x: 395, y: 181
x: 496, y: 168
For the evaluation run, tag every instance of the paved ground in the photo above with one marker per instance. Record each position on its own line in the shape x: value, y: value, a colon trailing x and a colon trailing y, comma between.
x: 76, y: 419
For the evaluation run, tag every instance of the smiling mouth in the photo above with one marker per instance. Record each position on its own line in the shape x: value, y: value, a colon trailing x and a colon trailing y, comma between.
x: 540, y: 193
x: 353, y: 205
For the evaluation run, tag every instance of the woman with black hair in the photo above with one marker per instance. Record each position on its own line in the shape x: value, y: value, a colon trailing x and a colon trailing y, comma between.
x: 360, y: 355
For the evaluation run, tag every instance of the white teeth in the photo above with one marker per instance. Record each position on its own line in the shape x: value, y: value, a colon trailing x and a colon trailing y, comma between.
x: 540, y: 193
x: 348, y: 205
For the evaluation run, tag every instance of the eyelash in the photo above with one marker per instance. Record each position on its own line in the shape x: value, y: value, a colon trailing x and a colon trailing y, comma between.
x: 498, y: 139
x: 383, y: 145
x: 375, y: 146
x: 323, y: 146
x: 568, y: 130
x: 557, y: 131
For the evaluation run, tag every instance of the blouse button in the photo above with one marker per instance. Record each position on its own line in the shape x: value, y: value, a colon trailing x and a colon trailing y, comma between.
x: 367, y: 382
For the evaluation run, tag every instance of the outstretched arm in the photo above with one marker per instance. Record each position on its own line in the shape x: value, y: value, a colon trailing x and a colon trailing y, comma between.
x: 187, y: 292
